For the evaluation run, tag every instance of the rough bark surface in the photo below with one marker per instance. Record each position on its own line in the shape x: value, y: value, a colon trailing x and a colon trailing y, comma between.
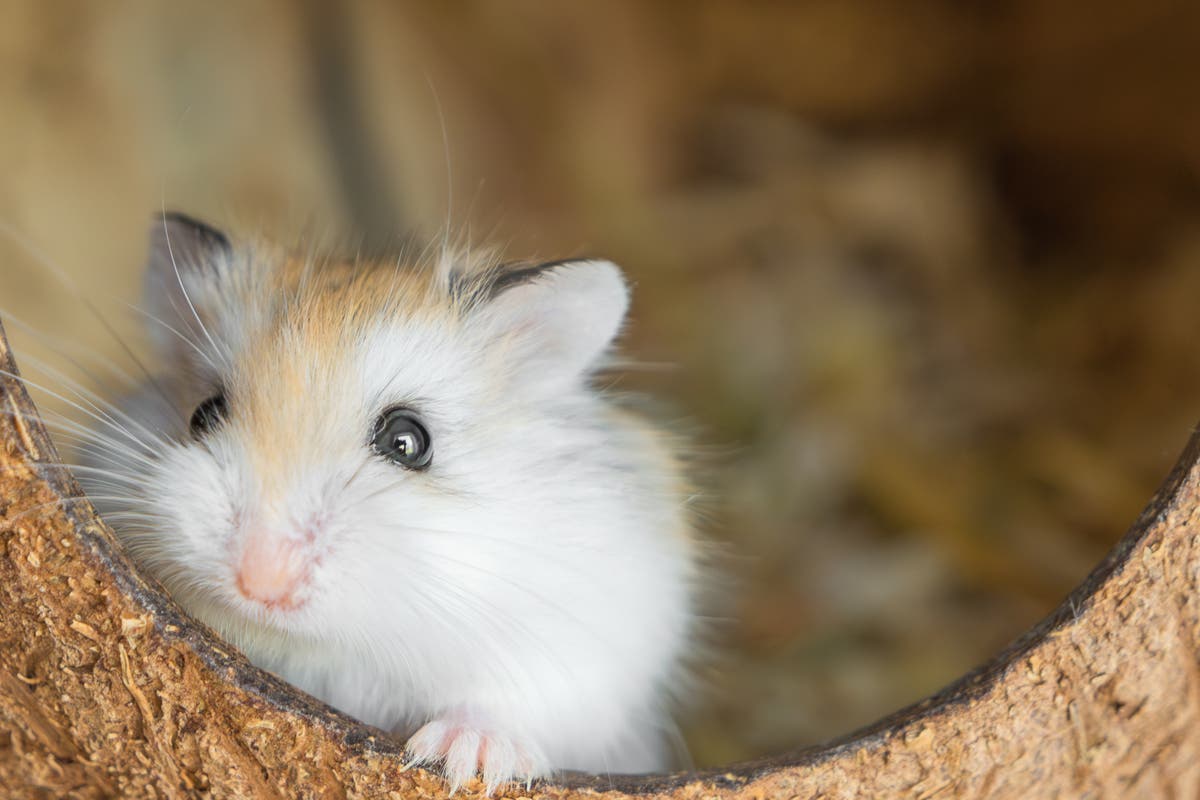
x: 107, y: 689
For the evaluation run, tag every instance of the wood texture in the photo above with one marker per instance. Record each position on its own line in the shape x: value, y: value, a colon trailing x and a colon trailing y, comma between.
x: 107, y: 689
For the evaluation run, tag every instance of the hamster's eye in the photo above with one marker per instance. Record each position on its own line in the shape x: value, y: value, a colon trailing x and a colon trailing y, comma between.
x: 402, y: 439
x: 208, y: 415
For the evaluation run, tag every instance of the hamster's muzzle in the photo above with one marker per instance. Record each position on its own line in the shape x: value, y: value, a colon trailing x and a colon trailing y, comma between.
x: 273, y: 570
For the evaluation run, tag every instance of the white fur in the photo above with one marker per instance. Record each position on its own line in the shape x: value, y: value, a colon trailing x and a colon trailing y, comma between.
x: 533, y: 590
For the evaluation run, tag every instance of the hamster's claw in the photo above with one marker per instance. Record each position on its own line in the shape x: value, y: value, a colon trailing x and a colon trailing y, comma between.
x: 466, y: 749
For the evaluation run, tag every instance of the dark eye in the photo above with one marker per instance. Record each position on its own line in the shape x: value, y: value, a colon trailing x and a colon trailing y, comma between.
x: 208, y: 415
x: 401, y: 438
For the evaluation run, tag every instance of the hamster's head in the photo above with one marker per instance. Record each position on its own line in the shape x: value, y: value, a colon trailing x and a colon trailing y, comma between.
x: 331, y: 436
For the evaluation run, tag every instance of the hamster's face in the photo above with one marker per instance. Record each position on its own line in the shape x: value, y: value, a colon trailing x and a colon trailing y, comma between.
x: 337, y: 432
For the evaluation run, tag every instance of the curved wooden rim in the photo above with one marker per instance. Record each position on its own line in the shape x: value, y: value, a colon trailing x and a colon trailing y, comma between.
x: 1176, y: 496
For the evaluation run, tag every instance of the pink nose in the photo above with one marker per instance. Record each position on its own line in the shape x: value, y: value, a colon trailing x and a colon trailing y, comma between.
x: 272, y: 570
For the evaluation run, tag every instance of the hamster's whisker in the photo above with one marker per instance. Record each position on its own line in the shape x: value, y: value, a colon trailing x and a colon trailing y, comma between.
x: 133, y: 516
x: 68, y: 423
x: 40, y: 257
x: 183, y: 289
x: 74, y: 498
x: 89, y: 469
x: 72, y: 432
x: 71, y: 467
x: 638, y: 365
x: 128, y: 518
x: 185, y: 339
x: 441, y: 115
x: 357, y: 472
x: 110, y: 458
x: 383, y: 490
x: 112, y: 484
x: 98, y: 403
x: 58, y: 396
x: 138, y: 536
x: 100, y: 446
x: 99, y: 485
x: 150, y: 379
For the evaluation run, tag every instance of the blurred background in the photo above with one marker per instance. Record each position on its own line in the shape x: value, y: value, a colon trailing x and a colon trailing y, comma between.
x: 925, y: 274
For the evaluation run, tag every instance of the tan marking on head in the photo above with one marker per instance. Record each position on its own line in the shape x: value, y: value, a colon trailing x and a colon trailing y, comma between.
x: 297, y: 367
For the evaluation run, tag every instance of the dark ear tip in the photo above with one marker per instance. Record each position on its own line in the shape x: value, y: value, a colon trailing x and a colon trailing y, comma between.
x: 202, y: 231
x: 515, y: 275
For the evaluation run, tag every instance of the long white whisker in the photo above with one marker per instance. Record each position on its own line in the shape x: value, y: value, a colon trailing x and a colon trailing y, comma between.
x: 199, y: 351
x: 96, y: 475
x: 64, y: 500
x: 101, y: 406
x: 77, y: 407
x: 182, y: 288
x: 97, y: 444
x: 71, y: 431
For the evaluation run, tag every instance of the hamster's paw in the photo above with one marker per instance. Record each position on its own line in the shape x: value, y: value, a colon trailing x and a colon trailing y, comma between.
x: 466, y: 748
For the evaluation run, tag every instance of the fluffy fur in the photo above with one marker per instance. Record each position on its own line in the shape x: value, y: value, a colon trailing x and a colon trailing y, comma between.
x: 521, y: 606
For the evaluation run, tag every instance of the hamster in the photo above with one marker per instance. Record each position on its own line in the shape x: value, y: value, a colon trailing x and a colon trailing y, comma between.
x: 394, y: 486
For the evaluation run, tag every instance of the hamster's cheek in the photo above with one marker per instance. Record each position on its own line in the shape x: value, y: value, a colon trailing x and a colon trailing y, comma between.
x: 193, y: 499
x: 380, y: 547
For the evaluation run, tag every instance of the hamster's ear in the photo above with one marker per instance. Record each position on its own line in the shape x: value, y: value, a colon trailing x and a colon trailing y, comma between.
x: 187, y: 263
x: 558, y: 318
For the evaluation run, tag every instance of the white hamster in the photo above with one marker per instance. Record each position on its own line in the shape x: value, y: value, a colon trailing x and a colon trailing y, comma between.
x: 395, y: 487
